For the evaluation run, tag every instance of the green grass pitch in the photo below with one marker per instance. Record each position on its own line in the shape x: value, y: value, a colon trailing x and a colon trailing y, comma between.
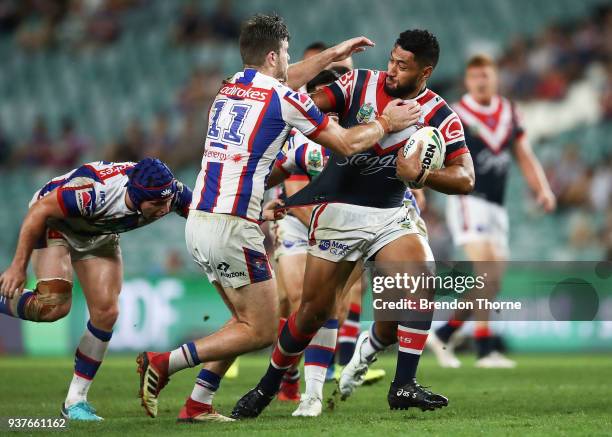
x: 546, y: 394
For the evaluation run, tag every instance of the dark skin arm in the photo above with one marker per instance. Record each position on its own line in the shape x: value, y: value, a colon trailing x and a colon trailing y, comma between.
x: 302, y: 213
x: 32, y: 229
x: 456, y: 177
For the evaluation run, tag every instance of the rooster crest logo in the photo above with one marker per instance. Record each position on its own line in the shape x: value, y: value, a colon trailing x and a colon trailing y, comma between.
x: 166, y: 192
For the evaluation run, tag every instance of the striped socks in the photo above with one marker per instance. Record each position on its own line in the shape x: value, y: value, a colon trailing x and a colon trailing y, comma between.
x: 287, y: 351
x: 88, y: 357
x: 317, y: 357
x: 206, y: 385
x: 348, y: 333
x: 411, y: 337
x: 183, y: 357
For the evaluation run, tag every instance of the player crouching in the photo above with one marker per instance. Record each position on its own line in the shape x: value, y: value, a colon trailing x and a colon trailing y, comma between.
x: 73, y: 223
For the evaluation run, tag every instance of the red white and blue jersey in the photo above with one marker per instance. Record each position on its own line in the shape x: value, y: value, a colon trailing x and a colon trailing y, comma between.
x: 490, y: 133
x: 92, y: 198
x: 303, y: 158
x: 249, y: 122
x: 368, y: 178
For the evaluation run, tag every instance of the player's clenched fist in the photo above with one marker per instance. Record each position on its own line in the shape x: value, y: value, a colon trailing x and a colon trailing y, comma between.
x: 11, y: 281
x: 408, y: 169
x: 401, y: 114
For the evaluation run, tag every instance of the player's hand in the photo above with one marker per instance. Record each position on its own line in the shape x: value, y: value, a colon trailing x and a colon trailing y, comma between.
x: 12, y: 281
x: 547, y: 200
x: 408, y: 169
x: 350, y: 46
x: 273, y: 210
x: 402, y: 114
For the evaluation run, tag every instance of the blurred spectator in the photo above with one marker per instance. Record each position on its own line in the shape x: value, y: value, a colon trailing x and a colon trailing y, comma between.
x: 39, y: 150
x: 72, y: 31
x: 544, y: 67
x: 71, y: 147
x: 601, y: 185
x: 606, y: 236
x: 200, y: 90
x: 570, y: 178
x: 131, y: 147
x: 606, y: 94
x: 581, y: 231
x: 223, y: 23
x: 5, y: 149
x: 104, y: 25
x: 37, y: 30
x: 191, y: 25
x: 160, y: 143
x: 9, y: 16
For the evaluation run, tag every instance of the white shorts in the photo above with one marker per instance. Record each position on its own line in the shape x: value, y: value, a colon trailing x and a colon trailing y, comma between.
x: 229, y: 249
x: 81, y: 247
x: 472, y: 219
x: 291, y: 237
x: 343, y: 232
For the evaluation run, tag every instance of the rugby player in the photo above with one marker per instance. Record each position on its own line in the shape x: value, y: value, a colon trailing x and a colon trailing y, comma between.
x: 74, y: 222
x: 249, y: 122
x: 479, y: 222
x: 362, y: 216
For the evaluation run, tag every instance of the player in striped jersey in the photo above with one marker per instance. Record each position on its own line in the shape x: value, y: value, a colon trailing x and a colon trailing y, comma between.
x: 248, y: 123
x: 362, y: 216
x: 479, y: 222
x: 73, y: 223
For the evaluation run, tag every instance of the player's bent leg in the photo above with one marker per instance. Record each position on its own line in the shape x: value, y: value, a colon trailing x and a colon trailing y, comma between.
x: 254, y: 328
x: 101, y: 279
x: 405, y: 392
x: 322, y: 281
x: 290, y: 273
x: 51, y: 299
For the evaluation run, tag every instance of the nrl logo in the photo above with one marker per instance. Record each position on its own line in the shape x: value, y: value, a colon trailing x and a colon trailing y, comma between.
x: 364, y: 115
x: 166, y: 192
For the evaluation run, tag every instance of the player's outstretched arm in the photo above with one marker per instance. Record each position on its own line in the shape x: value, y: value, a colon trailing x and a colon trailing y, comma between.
x: 301, y: 72
x: 457, y: 177
x: 534, y: 174
x: 396, y: 116
x: 32, y: 229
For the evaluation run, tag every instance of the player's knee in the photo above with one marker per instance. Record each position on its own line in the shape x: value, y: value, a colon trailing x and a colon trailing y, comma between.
x: 105, y: 316
x: 311, y: 316
x: 263, y: 333
x: 51, y: 301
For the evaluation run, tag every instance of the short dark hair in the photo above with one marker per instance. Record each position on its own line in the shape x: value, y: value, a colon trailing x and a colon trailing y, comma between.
x: 325, y: 77
x: 318, y: 45
x: 260, y: 35
x: 423, y: 44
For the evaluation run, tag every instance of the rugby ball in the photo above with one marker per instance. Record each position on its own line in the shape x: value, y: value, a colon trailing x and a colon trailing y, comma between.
x: 434, y: 147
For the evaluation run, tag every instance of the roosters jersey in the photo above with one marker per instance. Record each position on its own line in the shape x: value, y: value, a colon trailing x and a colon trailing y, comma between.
x: 92, y: 198
x: 368, y: 178
x: 490, y: 133
x: 248, y: 124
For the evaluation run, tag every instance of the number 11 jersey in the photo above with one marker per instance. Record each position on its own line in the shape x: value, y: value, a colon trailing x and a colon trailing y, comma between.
x: 248, y: 124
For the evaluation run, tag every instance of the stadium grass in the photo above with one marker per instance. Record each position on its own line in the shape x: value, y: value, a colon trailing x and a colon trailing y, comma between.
x: 544, y: 395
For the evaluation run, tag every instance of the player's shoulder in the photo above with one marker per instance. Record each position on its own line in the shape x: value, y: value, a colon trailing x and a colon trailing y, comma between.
x: 436, y: 110
x: 98, y: 173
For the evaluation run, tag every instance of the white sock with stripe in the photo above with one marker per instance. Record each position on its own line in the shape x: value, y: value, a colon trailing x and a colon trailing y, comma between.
x: 318, y: 356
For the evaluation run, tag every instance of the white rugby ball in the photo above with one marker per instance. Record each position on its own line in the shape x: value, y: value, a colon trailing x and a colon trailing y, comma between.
x: 434, y: 148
